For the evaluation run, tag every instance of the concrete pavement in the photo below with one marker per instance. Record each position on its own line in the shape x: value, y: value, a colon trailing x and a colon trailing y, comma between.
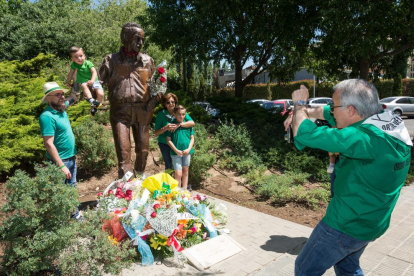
x: 272, y: 245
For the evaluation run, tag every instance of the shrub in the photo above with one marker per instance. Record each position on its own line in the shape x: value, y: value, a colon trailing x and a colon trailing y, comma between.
x: 36, y: 214
x: 203, y: 158
x: 287, y: 188
x: 90, y: 252
x: 95, y: 146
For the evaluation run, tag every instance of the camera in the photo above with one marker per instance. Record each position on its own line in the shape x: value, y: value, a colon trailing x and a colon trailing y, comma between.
x: 289, y: 135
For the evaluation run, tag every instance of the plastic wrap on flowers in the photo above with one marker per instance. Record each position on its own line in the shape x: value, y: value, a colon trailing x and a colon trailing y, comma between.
x: 158, y: 81
x: 201, y: 211
x: 133, y: 224
x: 155, y: 182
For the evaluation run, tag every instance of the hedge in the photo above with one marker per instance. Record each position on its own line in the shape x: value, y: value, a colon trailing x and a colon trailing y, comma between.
x: 324, y: 89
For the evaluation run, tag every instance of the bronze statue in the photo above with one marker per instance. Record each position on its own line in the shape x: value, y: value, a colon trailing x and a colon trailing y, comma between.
x: 127, y: 74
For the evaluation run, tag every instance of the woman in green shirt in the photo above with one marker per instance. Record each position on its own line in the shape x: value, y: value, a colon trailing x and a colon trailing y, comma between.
x: 163, y: 123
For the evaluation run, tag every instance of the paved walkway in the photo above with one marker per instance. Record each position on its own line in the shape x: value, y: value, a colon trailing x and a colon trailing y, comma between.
x: 272, y: 245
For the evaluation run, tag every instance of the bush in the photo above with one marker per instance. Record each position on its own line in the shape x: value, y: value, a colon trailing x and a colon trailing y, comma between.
x: 203, y: 158
x: 90, y: 252
x: 36, y: 214
x: 287, y: 188
x: 95, y: 146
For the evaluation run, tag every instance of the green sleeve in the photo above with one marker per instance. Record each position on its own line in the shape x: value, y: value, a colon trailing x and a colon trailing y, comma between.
x: 328, y: 115
x: 192, y: 132
x: 168, y: 134
x: 187, y: 118
x: 160, y: 121
x: 73, y: 66
x: 89, y: 64
x: 47, y: 126
x: 349, y: 141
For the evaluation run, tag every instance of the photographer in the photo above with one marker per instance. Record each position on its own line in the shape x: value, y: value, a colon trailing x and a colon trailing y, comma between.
x: 375, y: 149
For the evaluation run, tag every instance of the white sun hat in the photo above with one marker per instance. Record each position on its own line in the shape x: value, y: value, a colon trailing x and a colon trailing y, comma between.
x: 51, y: 87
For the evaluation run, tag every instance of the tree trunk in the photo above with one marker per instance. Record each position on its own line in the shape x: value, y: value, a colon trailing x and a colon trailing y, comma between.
x: 239, y: 77
x: 364, y: 69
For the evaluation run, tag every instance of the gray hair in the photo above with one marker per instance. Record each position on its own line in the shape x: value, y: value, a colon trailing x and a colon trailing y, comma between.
x: 361, y: 94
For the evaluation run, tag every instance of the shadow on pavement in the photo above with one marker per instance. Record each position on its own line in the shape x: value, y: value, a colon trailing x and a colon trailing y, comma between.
x: 285, y: 244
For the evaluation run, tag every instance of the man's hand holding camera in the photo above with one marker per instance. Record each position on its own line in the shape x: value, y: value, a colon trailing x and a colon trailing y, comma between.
x: 292, y: 123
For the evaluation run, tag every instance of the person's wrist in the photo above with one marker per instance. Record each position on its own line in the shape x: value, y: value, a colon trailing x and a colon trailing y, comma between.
x: 300, y: 103
x: 61, y: 167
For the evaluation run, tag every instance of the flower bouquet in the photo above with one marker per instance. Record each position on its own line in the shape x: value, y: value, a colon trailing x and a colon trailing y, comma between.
x: 163, y: 220
x: 158, y: 82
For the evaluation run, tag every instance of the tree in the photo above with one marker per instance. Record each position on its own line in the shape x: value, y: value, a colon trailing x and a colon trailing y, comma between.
x: 264, y: 31
x: 356, y: 34
x: 236, y: 31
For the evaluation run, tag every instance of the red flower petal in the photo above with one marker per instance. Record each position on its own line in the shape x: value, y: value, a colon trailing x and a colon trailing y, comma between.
x: 162, y: 79
x: 161, y: 70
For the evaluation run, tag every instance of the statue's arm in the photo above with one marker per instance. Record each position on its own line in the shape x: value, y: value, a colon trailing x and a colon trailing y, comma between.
x: 104, y: 70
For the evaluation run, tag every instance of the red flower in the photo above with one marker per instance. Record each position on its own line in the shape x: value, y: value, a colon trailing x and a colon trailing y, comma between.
x: 161, y: 70
x: 156, y: 206
x: 162, y: 79
x: 154, y: 214
x: 110, y: 192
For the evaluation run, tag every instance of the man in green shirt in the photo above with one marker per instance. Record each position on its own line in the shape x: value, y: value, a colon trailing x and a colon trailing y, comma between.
x: 375, y: 154
x: 57, y: 133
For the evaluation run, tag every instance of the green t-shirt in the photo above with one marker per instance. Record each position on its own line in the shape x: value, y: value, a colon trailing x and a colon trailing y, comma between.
x: 372, y: 168
x: 164, y: 118
x: 181, y: 138
x: 54, y: 123
x: 84, y: 73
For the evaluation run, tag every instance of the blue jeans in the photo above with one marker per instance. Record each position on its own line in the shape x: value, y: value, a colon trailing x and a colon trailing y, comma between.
x: 327, y: 247
x: 181, y: 161
x: 70, y: 163
x: 165, y: 151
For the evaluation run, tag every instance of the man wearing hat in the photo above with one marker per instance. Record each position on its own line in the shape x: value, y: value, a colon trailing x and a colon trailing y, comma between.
x: 56, y: 131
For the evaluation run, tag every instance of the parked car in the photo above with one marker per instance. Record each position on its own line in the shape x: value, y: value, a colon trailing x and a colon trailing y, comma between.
x: 276, y: 106
x: 287, y: 100
x: 320, y: 101
x: 258, y: 101
x: 209, y: 108
x: 400, y: 105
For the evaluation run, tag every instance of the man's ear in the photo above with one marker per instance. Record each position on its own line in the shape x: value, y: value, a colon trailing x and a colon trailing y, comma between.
x: 351, y: 111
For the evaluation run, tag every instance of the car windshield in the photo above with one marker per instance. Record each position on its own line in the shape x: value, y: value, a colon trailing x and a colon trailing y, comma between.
x: 387, y: 100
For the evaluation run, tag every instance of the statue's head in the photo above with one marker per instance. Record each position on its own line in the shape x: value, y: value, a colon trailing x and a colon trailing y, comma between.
x: 132, y: 37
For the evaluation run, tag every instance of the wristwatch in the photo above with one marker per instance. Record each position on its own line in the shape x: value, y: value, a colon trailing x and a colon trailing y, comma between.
x: 300, y: 103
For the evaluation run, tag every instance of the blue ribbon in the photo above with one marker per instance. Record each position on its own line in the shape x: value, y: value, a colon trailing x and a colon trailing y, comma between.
x: 138, y: 224
x: 202, y: 212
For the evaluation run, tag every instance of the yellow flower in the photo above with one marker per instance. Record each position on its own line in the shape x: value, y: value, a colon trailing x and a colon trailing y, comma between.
x: 198, y: 225
x: 158, y: 241
x: 112, y: 240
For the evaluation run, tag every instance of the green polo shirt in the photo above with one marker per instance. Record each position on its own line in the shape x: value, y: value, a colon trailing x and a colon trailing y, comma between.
x: 57, y: 124
x: 164, y: 118
x: 371, y: 170
x: 84, y: 73
x: 181, y: 138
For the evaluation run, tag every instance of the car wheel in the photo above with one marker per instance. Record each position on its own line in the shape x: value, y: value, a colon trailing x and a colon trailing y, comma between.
x: 398, y: 112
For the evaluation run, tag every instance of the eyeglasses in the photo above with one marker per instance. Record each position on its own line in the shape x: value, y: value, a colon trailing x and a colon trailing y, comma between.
x: 172, y: 102
x: 331, y: 105
x: 58, y: 95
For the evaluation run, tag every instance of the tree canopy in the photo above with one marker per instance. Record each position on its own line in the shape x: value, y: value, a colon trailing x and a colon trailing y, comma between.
x: 356, y: 34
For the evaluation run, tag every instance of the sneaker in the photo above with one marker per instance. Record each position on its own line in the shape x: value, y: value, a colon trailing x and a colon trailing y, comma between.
x: 93, y: 111
x: 331, y: 168
x: 96, y: 104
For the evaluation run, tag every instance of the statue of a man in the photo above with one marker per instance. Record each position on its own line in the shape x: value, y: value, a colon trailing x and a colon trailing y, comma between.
x: 127, y: 74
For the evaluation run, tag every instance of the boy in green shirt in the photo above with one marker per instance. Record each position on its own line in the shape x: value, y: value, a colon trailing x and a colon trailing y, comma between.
x: 86, y: 76
x: 181, y: 142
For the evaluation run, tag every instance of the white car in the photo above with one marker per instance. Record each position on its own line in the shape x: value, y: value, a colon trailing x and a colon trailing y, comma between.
x: 400, y: 105
x: 320, y: 101
x: 258, y: 101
